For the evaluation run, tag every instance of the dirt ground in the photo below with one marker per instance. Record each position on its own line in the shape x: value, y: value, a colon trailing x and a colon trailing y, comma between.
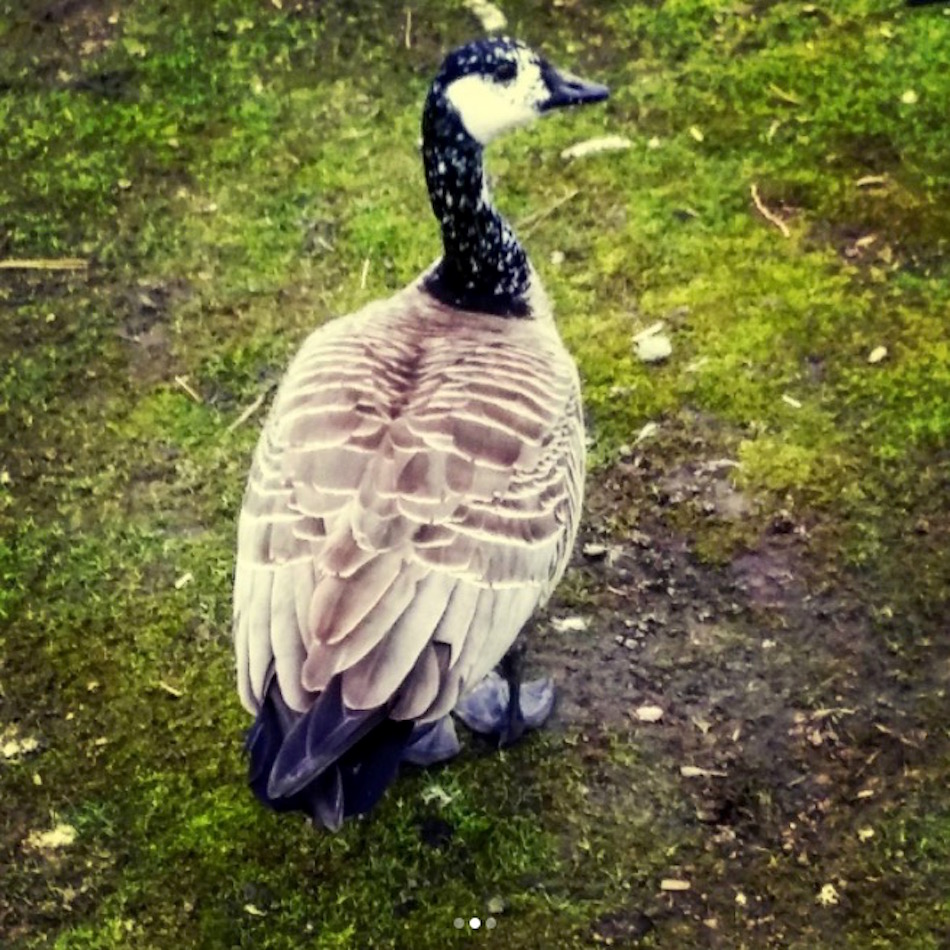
x: 767, y: 682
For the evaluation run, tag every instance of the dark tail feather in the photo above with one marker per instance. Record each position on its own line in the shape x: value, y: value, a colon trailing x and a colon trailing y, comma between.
x: 330, y: 762
x: 367, y: 769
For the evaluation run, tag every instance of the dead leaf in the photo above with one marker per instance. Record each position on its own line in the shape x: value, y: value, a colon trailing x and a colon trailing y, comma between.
x: 15, y: 748
x: 604, y: 143
x: 490, y: 16
x: 828, y: 896
x: 694, y: 771
x: 61, y: 836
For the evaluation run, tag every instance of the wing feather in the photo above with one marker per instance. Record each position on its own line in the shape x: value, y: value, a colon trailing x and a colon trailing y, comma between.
x: 421, y: 687
x: 286, y: 640
x: 258, y: 627
x: 375, y: 678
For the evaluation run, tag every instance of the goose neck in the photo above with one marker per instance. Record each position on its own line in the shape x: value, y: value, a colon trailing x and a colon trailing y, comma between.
x: 483, y: 266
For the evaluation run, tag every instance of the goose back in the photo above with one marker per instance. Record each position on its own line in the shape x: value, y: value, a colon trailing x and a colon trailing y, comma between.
x: 413, y: 498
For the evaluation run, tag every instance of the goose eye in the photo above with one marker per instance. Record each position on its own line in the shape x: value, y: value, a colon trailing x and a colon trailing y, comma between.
x: 505, y: 71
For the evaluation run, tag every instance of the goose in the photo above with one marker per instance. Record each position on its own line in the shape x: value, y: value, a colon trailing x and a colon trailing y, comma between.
x: 415, y: 492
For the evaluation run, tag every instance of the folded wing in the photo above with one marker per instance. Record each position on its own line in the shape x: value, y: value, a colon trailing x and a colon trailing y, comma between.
x: 412, y: 500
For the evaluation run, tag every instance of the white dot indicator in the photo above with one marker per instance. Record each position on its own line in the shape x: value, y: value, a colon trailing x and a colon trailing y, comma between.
x: 459, y: 923
x: 474, y: 923
x: 491, y: 923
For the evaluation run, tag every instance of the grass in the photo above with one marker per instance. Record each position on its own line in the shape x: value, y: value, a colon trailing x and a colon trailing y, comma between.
x: 227, y: 168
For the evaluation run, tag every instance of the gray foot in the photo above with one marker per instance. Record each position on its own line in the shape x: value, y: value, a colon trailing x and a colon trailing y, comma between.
x: 431, y: 743
x: 486, y: 708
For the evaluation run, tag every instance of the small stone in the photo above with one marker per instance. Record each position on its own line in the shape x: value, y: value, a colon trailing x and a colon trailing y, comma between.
x: 909, y: 97
x: 674, y: 884
x: 595, y: 551
x: 648, y: 713
x: 497, y: 905
x: 877, y: 354
x: 654, y: 349
x: 570, y: 624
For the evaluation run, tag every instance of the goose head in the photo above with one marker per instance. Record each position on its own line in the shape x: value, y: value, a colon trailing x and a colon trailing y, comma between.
x: 491, y: 86
x: 482, y: 90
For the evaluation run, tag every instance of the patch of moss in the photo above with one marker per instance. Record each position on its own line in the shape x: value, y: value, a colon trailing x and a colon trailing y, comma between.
x: 236, y: 163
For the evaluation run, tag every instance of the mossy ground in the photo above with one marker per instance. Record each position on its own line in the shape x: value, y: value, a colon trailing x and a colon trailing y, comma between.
x: 226, y: 168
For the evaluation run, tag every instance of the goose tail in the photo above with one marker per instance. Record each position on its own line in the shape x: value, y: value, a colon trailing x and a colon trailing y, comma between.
x: 329, y: 762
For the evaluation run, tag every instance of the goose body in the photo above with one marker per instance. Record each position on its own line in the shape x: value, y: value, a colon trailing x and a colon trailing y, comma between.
x: 415, y: 493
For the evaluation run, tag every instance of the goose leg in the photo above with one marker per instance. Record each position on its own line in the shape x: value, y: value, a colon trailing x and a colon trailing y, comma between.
x: 501, y: 704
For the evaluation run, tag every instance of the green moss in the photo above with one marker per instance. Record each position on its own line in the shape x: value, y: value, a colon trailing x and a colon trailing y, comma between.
x: 235, y: 164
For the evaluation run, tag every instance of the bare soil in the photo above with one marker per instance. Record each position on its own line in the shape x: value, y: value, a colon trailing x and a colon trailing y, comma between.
x: 790, y: 716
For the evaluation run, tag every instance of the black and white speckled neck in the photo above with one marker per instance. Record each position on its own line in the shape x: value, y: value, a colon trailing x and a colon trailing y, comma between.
x: 483, y: 268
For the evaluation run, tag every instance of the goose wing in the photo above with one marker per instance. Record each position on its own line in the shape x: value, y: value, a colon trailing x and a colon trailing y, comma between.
x: 413, y: 498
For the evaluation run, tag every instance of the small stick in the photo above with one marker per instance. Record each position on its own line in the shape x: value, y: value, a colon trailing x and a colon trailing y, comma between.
x: 408, y: 27
x: 183, y: 382
x: 365, y: 274
x: 62, y: 263
x: 527, y: 225
x: 780, y: 93
x: 251, y: 409
x: 769, y: 216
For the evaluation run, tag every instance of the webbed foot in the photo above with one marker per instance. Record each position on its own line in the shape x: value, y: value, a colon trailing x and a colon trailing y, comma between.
x: 431, y: 743
x: 488, y: 708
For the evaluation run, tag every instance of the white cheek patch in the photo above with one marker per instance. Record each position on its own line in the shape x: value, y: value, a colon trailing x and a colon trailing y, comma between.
x: 488, y: 108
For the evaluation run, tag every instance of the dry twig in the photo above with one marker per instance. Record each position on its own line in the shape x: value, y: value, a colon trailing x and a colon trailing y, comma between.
x: 769, y: 216
x: 45, y: 263
x: 182, y: 381
x: 251, y: 409
x: 527, y: 224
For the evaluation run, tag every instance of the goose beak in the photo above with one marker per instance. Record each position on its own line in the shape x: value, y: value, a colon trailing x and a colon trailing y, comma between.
x: 568, y: 90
